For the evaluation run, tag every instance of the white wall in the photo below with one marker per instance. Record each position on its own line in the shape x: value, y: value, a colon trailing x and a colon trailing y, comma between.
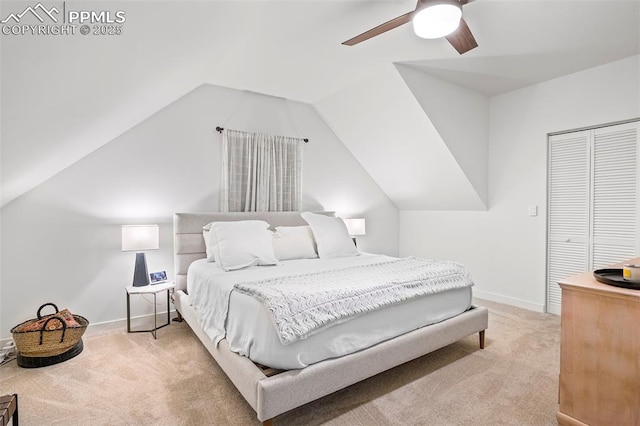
x: 461, y: 117
x: 381, y: 122
x: 504, y: 248
x: 61, y: 240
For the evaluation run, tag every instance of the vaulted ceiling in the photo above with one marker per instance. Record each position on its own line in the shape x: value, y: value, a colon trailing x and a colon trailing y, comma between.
x: 64, y: 97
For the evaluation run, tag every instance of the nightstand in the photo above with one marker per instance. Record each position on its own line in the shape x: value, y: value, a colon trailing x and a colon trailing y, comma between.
x: 150, y: 289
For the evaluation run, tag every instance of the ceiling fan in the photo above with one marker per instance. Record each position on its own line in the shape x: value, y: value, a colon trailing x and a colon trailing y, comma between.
x: 431, y: 19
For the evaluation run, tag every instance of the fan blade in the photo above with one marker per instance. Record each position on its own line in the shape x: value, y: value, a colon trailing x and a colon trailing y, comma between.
x: 462, y: 39
x: 382, y: 28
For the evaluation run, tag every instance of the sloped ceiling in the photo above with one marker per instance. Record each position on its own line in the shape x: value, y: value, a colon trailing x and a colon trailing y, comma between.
x: 64, y: 96
x: 389, y: 132
x: 462, y: 119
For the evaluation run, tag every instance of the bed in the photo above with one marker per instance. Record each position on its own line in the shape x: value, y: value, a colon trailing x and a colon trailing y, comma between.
x: 270, y: 390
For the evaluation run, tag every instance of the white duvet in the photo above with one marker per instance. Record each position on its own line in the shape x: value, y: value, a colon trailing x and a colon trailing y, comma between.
x: 248, y: 326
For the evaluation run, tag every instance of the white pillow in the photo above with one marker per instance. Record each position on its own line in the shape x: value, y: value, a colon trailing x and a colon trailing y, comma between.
x: 331, y: 236
x: 242, y: 244
x: 295, y: 230
x: 301, y: 231
x: 294, y: 242
x: 209, y: 245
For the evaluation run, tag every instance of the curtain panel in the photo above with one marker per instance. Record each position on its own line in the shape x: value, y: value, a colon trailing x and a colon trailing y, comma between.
x: 260, y: 172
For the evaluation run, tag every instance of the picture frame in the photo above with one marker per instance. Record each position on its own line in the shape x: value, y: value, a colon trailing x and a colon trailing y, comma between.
x: 158, y: 277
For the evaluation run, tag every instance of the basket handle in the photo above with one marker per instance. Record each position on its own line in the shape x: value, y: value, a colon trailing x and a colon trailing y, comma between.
x: 47, y: 304
x: 44, y: 327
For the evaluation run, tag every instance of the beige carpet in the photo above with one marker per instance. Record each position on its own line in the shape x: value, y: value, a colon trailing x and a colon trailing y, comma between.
x: 131, y: 379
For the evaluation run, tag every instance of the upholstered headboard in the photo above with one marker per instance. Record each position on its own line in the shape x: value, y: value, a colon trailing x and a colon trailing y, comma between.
x: 188, y: 244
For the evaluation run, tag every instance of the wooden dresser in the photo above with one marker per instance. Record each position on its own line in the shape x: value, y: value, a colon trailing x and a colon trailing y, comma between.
x: 600, y: 353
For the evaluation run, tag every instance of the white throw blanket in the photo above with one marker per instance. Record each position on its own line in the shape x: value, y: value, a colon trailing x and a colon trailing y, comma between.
x: 301, y: 304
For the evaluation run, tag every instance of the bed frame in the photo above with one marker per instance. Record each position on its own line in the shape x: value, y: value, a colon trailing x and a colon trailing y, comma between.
x: 271, y: 392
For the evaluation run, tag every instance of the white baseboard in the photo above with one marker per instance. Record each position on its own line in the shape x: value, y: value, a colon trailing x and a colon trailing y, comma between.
x: 493, y: 297
x: 121, y: 323
x: 101, y: 327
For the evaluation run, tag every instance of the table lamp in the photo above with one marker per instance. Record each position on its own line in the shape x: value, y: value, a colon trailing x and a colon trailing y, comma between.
x: 355, y: 227
x: 138, y: 238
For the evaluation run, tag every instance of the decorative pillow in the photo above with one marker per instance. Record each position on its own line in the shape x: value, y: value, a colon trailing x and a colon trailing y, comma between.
x: 331, y: 236
x: 242, y: 244
x: 301, y: 231
x: 295, y: 230
x: 208, y: 243
x: 294, y: 242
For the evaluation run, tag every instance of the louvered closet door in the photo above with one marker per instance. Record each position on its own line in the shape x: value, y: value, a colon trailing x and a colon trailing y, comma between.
x: 568, y: 211
x: 593, y: 202
x: 615, y: 194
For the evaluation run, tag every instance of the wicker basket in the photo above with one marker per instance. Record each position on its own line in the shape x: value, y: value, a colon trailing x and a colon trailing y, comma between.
x: 47, y: 343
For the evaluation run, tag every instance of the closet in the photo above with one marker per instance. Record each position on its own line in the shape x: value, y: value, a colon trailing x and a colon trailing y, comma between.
x: 592, y: 202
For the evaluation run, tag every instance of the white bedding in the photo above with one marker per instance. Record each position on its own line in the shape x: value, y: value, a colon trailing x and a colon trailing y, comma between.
x: 248, y: 326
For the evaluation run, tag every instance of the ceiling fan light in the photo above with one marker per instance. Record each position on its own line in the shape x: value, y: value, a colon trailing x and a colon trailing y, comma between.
x: 437, y: 20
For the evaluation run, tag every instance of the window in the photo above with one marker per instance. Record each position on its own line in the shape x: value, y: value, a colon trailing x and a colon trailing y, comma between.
x: 260, y: 172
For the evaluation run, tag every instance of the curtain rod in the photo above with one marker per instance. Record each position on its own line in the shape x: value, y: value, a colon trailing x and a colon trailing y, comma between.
x: 220, y: 129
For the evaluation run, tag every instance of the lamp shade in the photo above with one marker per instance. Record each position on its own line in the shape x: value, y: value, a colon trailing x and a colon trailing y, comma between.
x: 437, y: 20
x: 355, y: 226
x: 140, y: 237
